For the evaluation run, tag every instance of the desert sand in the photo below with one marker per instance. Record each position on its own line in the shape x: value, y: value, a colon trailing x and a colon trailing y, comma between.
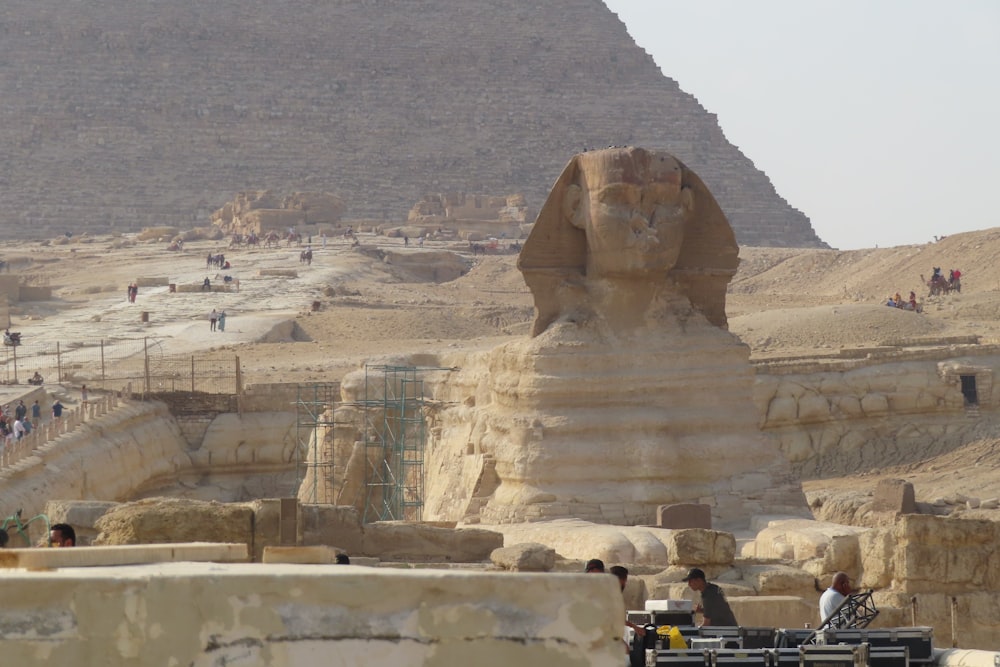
x: 380, y: 300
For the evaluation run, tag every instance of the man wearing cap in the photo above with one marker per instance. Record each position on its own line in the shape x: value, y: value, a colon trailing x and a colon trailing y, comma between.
x: 714, y: 607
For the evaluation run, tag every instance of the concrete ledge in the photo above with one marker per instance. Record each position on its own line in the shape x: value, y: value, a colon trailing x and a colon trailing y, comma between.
x: 315, y: 555
x: 197, y: 287
x: 133, y: 554
x: 307, y: 615
x: 152, y: 281
x: 955, y: 657
x: 285, y: 273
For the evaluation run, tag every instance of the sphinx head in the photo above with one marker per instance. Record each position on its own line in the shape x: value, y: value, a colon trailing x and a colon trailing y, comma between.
x: 628, y: 214
x: 631, y: 206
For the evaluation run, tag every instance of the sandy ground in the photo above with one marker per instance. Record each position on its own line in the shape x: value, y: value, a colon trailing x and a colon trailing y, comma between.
x: 783, y: 302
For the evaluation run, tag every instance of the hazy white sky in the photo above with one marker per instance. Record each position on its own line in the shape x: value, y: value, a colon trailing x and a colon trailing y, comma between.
x: 879, y: 119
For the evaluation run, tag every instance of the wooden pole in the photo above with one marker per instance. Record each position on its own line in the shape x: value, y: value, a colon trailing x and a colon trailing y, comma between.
x: 239, y: 387
x: 102, y: 362
x: 14, y: 348
x: 58, y: 363
x: 145, y: 350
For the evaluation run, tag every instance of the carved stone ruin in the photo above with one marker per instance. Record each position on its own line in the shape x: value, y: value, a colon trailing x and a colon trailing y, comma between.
x: 629, y: 394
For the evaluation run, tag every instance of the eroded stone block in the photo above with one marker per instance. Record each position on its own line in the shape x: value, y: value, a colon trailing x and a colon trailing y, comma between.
x: 684, y: 515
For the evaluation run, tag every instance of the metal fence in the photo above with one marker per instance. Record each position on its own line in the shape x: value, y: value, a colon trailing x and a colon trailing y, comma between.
x: 110, y: 364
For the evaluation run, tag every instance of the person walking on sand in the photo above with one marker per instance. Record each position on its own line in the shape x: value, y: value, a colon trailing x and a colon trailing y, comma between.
x: 213, y: 317
x: 222, y: 321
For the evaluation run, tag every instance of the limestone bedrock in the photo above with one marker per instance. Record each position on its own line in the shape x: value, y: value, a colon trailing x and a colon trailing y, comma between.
x: 630, y: 393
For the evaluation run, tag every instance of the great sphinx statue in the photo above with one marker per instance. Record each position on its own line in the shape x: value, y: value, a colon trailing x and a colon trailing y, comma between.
x: 629, y: 393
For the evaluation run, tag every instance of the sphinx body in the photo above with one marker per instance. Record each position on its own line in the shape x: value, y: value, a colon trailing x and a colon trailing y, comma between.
x: 630, y: 393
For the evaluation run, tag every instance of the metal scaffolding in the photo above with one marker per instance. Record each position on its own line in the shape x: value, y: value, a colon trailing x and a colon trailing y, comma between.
x: 394, y: 436
x: 314, y: 456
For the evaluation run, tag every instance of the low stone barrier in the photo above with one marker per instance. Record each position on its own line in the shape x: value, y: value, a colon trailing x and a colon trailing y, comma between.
x: 305, y: 615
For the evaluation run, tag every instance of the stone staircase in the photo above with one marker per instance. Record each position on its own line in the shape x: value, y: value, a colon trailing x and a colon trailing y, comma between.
x: 71, y: 420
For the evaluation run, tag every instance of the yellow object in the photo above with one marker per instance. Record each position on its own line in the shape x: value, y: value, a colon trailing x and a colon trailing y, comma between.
x: 674, y: 634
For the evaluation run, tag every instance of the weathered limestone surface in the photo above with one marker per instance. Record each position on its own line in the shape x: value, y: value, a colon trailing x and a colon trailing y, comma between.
x: 139, y: 448
x: 104, y: 460
x: 684, y: 515
x: 263, y: 211
x: 924, y: 554
x: 301, y: 615
x: 819, y: 548
x: 774, y: 611
x: 399, y: 540
x: 641, y: 545
x: 612, y: 408
x: 303, y: 99
x: 892, y: 411
x: 162, y: 520
x: 525, y: 557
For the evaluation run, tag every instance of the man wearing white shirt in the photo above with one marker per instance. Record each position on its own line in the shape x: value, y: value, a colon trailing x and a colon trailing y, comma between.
x: 838, y: 591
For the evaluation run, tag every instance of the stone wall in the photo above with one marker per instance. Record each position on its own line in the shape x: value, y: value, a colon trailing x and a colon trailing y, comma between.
x: 831, y: 418
x: 139, y: 449
x: 124, y: 116
x: 915, y: 564
x: 303, y: 614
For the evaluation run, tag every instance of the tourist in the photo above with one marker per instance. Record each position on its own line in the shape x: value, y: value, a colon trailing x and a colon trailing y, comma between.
x: 62, y: 535
x: 206, y: 286
x: 222, y: 321
x: 36, y: 380
x: 36, y: 412
x: 57, y: 409
x: 622, y: 574
x: 213, y: 317
x: 83, y: 396
x: 21, y: 410
x: 18, y: 429
x: 594, y: 566
x: 343, y: 559
x: 714, y: 607
x: 832, y: 597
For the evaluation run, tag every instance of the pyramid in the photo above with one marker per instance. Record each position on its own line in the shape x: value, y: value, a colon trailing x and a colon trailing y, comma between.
x: 119, y: 116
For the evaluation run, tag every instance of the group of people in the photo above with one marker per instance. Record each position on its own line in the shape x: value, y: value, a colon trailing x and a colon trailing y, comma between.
x: 217, y: 320
x: 898, y: 302
x: 15, y: 424
x: 953, y: 276
x: 714, y: 607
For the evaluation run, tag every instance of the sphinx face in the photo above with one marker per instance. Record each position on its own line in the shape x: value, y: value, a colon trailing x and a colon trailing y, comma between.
x: 633, y: 214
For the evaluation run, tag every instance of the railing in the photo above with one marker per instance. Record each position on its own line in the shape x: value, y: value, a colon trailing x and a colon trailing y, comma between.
x: 108, y: 364
x: 70, y: 420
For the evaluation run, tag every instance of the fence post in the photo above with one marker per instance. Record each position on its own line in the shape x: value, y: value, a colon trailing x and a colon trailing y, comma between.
x: 58, y: 363
x: 145, y: 354
x: 192, y: 373
x: 239, y: 387
x: 102, y: 363
x: 14, y: 348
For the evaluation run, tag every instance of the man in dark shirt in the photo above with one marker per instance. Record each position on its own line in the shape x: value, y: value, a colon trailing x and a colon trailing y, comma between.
x: 714, y: 606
